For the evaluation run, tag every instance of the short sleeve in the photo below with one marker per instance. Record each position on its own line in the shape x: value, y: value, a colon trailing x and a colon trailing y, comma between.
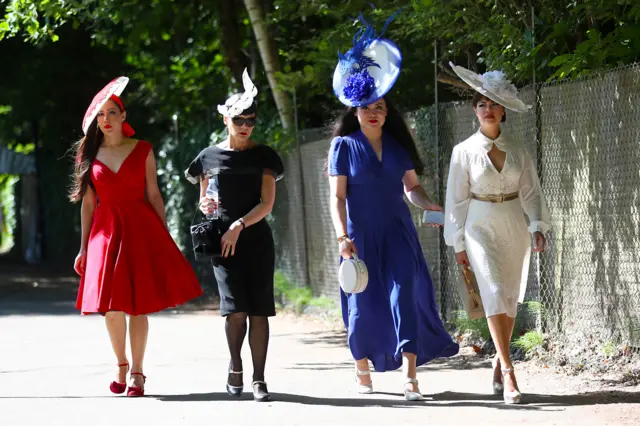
x: 195, y: 170
x: 405, y: 160
x: 339, y: 157
x: 272, y: 162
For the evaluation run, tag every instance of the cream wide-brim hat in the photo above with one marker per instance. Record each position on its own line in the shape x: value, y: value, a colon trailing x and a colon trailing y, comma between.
x: 499, y: 90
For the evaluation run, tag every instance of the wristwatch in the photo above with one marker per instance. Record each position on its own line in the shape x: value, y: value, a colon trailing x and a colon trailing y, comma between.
x: 342, y: 238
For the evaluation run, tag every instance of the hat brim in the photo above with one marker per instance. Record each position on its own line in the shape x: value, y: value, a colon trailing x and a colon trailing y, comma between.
x: 115, y: 87
x: 475, y: 82
x: 386, y: 54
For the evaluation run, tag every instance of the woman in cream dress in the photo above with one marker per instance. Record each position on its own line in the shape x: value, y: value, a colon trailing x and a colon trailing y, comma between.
x: 492, y: 184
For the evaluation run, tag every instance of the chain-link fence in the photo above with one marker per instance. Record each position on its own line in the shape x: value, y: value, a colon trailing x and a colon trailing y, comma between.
x: 585, y: 138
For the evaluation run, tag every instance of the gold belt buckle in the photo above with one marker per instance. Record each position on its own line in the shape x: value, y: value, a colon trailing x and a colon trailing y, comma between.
x: 501, y: 198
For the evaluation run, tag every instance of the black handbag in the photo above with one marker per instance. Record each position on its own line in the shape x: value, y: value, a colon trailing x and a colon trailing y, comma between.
x: 206, y: 237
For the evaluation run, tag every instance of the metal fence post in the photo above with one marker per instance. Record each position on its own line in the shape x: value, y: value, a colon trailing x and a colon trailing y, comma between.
x: 440, y: 185
x: 305, y: 238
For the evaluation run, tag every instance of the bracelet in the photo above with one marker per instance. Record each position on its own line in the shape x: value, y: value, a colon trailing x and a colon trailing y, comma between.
x: 244, y: 225
x: 342, y: 238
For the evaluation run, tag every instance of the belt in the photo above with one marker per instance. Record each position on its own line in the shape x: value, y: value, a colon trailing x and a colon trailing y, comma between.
x: 495, y: 198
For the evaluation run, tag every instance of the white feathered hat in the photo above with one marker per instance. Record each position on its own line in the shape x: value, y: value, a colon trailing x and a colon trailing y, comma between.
x: 240, y: 101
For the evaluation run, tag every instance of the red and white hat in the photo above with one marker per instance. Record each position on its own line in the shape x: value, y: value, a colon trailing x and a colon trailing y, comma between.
x: 115, y: 87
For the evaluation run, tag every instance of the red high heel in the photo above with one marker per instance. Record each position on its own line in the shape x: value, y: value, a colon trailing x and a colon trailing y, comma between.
x: 116, y: 387
x: 137, y: 390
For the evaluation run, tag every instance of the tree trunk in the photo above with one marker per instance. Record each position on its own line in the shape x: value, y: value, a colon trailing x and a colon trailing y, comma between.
x: 269, y: 56
x: 231, y: 40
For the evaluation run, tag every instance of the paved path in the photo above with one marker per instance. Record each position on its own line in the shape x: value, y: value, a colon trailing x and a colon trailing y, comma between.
x: 55, y: 367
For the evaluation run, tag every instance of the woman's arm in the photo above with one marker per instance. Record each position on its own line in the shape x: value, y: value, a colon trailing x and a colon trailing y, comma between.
x: 338, y: 204
x: 457, y: 202
x: 416, y: 193
x: 264, y: 207
x: 153, y: 192
x: 86, y: 217
x: 533, y: 204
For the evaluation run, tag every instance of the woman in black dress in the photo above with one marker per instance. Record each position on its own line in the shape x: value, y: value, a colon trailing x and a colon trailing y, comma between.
x: 243, y: 174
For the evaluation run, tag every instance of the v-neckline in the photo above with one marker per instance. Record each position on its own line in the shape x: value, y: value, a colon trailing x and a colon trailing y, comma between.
x: 123, y: 161
x: 504, y: 164
x: 379, y: 161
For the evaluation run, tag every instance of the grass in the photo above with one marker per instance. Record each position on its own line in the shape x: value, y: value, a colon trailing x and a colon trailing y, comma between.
x: 609, y: 349
x: 287, y: 294
x: 530, y: 342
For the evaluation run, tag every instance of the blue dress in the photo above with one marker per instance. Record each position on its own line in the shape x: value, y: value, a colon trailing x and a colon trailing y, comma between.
x: 397, y: 312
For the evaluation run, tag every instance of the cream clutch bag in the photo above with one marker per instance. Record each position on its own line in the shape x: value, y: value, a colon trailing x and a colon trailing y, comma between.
x: 469, y: 293
x: 353, y: 275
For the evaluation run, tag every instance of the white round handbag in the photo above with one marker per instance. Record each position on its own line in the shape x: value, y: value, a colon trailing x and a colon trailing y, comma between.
x: 353, y: 275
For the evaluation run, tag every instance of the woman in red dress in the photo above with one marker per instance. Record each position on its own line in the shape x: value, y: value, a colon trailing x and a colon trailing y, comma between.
x: 128, y: 262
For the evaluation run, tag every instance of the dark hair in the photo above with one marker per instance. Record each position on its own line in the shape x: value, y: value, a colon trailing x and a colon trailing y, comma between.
x: 84, y: 152
x: 394, y: 125
x: 479, y: 97
x: 253, y: 109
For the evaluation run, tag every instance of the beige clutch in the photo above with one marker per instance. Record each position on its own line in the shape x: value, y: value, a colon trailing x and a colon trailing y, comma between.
x: 469, y: 293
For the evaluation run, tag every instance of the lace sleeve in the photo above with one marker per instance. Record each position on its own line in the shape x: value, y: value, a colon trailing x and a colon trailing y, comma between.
x: 531, y: 198
x: 457, y: 201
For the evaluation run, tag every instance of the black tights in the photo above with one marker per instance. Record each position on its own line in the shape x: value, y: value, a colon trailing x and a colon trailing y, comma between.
x: 236, y: 329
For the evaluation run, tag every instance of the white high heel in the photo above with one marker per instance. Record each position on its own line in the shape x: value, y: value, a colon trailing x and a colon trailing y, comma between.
x: 364, y: 389
x: 411, y: 395
x: 498, y: 388
x: 512, y: 397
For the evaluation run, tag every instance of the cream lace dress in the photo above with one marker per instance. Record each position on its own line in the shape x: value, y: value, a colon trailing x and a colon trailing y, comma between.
x: 495, y: 235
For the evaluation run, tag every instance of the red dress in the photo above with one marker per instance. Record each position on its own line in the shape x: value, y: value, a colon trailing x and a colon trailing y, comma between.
x: 133, y: 264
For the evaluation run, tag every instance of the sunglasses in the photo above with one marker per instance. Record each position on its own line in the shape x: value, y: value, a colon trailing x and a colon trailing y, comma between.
x: 239, y: 121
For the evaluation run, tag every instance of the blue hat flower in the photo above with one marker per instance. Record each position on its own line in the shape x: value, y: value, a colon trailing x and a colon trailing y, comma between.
x: 369, y: 69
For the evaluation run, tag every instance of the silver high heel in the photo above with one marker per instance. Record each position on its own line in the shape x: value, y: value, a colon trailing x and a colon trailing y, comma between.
x: 498, y: 388
x: 410, y: 395
x: 364, y: 389
x: 513, y: 397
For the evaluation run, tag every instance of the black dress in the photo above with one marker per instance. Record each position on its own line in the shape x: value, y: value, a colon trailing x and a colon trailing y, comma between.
x: 245, y: 280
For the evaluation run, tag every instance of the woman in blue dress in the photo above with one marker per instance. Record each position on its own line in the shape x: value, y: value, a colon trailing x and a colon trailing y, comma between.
x: 373, y: 162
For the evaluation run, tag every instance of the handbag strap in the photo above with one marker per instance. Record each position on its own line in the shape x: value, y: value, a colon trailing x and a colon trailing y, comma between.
x: 196, y: 212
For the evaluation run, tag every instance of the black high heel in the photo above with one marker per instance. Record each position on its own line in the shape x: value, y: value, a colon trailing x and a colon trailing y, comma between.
x: 260, y: 391
x: 234, y: 390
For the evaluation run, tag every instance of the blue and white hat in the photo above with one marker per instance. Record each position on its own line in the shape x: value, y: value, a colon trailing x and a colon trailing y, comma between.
x: 369, y: 69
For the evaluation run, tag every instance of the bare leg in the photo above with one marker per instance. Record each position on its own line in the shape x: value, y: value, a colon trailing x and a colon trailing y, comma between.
x: 138, y: 332
x: 497, y: 371
x: 363, y: 365
x: 409, y: 370
x: 117, y: 328
x: 236, y: 330
x: 501, y: 327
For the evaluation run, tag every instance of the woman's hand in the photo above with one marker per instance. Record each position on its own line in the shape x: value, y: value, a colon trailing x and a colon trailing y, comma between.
x: 207, y: 205
x: 80, y: 263
x: 230, y: 238
x: 463, y: 259
x: 435, y: 208
x: 347, y: 248
x: 539, y: 242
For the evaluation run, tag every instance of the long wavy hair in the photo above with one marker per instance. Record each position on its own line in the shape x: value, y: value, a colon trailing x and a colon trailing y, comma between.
x: 84, y: 152
x: 394, y: 125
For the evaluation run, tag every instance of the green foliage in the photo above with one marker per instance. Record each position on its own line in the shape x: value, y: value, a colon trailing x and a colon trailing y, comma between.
x: 480, y: 327
x: 530, y: 342
x: 465, y: 325
x: 298, y: 298
x: 8, y: 207
x: 609, y: 349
